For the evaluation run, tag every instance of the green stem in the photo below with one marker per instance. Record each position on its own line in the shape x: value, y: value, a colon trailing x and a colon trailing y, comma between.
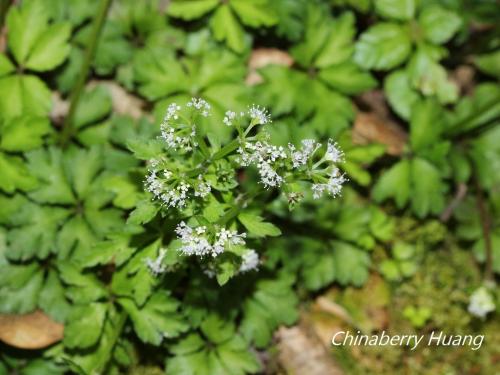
x: 227, y: 149
x: 98, y: 23
x: 235, y: 210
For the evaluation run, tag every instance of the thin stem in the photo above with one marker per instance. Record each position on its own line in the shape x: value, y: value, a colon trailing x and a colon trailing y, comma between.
x: 485, y: 225
x: 98, y: 23
x: 241, y: 202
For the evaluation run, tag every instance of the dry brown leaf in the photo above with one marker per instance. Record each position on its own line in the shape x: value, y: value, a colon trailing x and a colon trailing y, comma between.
x: 370, y: 127
x: 302, y: 352
x: 261, y: 57
x: 30, y: 331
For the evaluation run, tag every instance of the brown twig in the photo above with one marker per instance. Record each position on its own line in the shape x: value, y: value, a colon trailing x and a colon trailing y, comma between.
x: 459, y: 196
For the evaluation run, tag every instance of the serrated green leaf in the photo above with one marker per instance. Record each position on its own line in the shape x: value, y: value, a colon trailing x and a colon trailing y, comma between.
x: 347, y: 78
x: 426, y: 125
x: 15, y: 175
x: 23, y: 95
x: 339, y: 45
x: 51, y: 49
x: 191, y: 9
x: 383, y: 46
x: 395, y: 182
x: 145, y: 211
x: 488, y: 63
x: 93, y: 106
x: 396, y: 9
x: 157, y: 319
x: 438, y: 24
x: 254, y: 13
x: 255, y: 225
x: 85, y: 325
x: 23, y: 133
x: 428, y: 192
x: 54, y: 186
x: 226, y: 28
x: 401, y: 96
x: 351, y: 264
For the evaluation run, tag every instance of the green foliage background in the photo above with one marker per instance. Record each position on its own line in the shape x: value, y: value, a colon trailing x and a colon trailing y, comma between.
x: 76, y: 224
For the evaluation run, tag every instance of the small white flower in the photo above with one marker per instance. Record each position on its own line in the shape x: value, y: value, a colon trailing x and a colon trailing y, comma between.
x: 201, y: 105
x: 481, y: 303
x: 155, y: 266
x: 333, y: 153
x: 259, y: 114
x: 229, y: 117
x: 203, y: 188
x: 172, y: 112
x: 250, y: 261
x: 195, y: 241
x: 332, y: 187
x: 300, y: 157
x: 264, y: 156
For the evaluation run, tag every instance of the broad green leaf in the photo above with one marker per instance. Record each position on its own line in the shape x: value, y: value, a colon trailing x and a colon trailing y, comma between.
x: 339, y: 45
x: 82, y: 167
x: 35, y: 232
x: 82, y: 288
x: 273, y: 303
x: 438, y: 24
x: 226, y: 28
x: 428, y: 192
x: 23, y: 298
x: 52, y: 299
x: 159, y: 73
x: 488, y: 63
x: 383, y: 46
x: 319, y: 269
x: 51, y: 48
x: 26, y: 25
x: 351, y: 264
x: 216, y: 329
x: 23, y: 95
x: 6, y: 66
x: 157, y: 319
x: 47, y: 166
x: 145, y: 211
x: 23, y: 133
x: 254, y: 13
x: 92, y: 106
x: 347, y: 78
x: 396, y: 9
x: 395, y: 182
x: 84, y: 326
x: 191, y: 9
x: 430, y: 77
x: 255, y: 225
x: 15, y: 175
x: 426, y: 125
x: 125, y: 191
x: 401, y: 96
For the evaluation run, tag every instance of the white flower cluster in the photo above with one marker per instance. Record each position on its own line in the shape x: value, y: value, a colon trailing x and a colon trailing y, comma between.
x: 259, y: 115
x: 170, y: 192
x: 156, y: 266
x: 175, y: 139
x: 250, y: 261
x: 333, y: 186
x: 300, y: 157
x: 264, y: 156
x: 201, y: 105
x: 269, y: 159
x: 196, y: 241
x: 229, y: 117
x: 481, y: 303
